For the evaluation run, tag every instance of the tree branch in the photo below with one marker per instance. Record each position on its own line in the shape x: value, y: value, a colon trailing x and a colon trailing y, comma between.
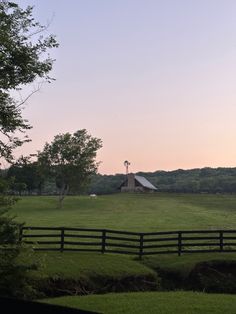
x: 23, y: 101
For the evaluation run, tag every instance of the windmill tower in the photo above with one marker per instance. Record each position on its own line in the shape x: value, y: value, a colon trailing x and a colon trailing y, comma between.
x: 127, y: 164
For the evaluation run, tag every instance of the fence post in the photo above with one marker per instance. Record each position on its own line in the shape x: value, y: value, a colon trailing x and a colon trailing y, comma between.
x: 62, y: 239
x: 20, y: 234
x: 141, y: 246
x: 179, y: 243
x: 103, y: 241
x: 221, y: 241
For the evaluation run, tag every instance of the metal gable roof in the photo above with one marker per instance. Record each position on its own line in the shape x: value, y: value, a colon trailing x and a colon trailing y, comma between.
x: 145, y: 183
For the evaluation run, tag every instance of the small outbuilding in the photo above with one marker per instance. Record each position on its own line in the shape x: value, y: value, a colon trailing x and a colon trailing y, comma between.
x: 134, y: 183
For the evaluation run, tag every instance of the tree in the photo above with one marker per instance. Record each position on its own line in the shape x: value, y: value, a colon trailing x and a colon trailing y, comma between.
x: 15, y: 268
x: 19, y: 187
x: 25, y: 172
x: 23, y: 59
x: 70, y: 159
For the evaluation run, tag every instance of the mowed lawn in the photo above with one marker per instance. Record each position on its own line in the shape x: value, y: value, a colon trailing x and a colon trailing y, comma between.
x: 134, y: 212
x: 152, y: 303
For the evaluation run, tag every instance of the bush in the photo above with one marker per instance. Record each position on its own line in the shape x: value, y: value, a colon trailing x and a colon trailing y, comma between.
x: 214, y: 276
x: 15, y: 264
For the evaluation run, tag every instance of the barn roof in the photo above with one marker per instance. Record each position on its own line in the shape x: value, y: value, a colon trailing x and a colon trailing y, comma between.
x: 145, y: 183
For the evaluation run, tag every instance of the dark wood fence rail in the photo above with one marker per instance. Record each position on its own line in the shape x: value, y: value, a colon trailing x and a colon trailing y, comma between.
x: 124, y: 242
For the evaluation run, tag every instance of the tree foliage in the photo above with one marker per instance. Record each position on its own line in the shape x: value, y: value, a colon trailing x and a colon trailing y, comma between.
x: 25, y: 176
x: 15, y: 276
x: 205, y: 180
x: 70, y: 159
x: 23, y: 59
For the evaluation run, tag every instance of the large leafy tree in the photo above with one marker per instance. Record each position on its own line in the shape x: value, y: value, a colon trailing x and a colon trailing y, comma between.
x: 71, y: 160
x: 23, y: 59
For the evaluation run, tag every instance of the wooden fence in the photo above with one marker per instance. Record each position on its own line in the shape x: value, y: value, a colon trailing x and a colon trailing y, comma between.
x: 124, y: 242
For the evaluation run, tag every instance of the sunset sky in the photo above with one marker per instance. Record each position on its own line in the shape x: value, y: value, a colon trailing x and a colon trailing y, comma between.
x: 154, y: 79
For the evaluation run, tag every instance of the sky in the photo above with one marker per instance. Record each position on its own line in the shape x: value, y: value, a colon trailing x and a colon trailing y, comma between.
x: 154, y: 79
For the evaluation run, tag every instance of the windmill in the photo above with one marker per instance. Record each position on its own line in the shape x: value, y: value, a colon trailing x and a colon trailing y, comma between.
x: 127, y: 164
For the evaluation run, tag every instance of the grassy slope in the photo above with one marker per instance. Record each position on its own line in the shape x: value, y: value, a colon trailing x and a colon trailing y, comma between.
x: 69, y: 272
x: 74, y: 266
x: 152, y: 302
x: 185, y: 263
x: 132, y: 212
x: 129, y: 212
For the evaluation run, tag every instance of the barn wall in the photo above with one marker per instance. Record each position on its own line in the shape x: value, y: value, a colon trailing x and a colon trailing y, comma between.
x: 132, y: 189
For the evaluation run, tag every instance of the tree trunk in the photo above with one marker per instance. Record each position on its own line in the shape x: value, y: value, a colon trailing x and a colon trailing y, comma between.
x: 63, y: 192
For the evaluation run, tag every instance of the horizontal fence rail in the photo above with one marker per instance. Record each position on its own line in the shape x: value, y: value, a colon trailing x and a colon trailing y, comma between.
x: 125, y: 242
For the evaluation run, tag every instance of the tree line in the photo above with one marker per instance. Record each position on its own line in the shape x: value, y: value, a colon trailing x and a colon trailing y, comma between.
x: 204, y: 180
x: 28, y: 179
x: 201, y: 180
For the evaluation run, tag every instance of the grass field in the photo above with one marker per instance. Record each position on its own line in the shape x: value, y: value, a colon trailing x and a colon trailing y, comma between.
x: 155, y: 212
x: 152, y: 302
x: 138, y: 212
x: 143, y: 213
x: 74, y: 266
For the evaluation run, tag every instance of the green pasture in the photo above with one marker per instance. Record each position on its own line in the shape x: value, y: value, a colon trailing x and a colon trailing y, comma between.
x: 134, y: 212
x: 137, y: 212
x: 152, y: 302
x: 100, y: 273
x: 74, y: 265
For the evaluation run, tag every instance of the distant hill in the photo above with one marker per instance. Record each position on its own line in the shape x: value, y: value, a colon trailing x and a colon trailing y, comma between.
x: 204, y: 180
